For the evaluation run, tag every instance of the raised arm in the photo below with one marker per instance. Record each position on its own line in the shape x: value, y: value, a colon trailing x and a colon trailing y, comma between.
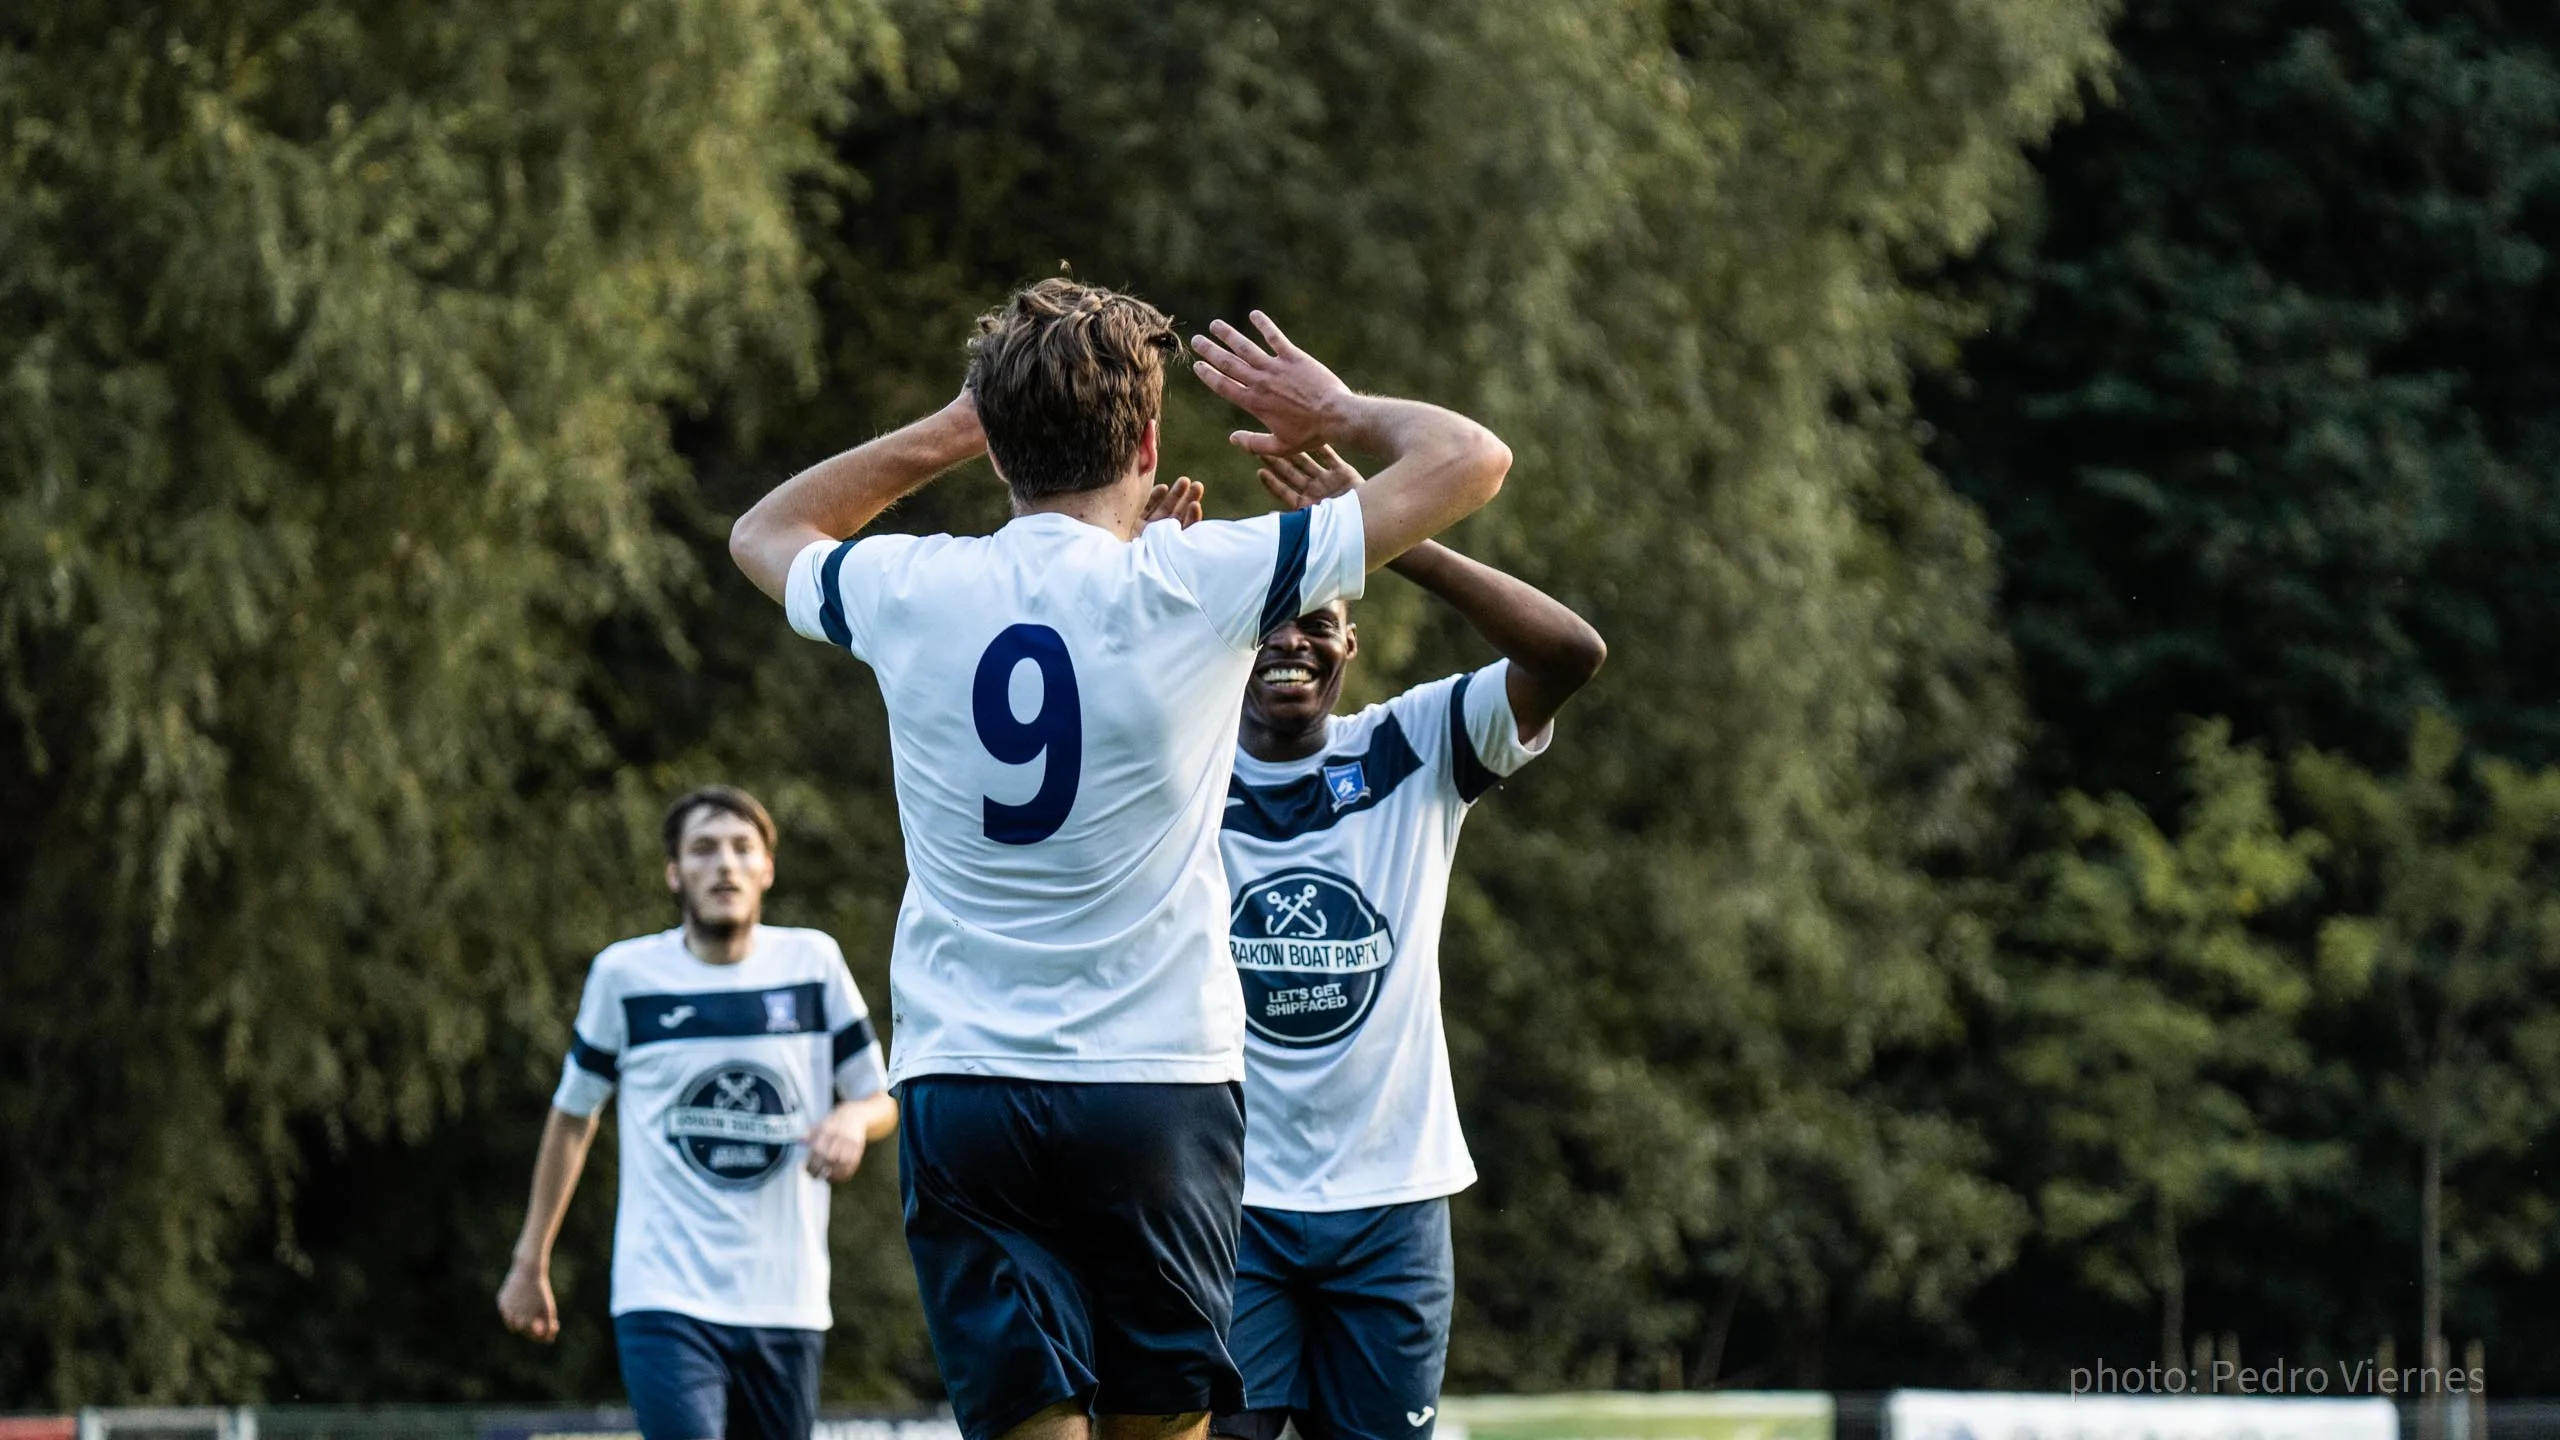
x: 1441, y: 466
x: 838, y: 496
x: 1553, y: 652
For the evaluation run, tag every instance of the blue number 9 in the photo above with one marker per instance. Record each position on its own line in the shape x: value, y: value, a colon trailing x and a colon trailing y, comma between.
x: 1058, y: 728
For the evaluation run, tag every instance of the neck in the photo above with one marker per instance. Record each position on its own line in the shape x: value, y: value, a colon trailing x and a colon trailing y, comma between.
x: 719, y: 947
x: 1120, y: 507
x: 1264, y: 741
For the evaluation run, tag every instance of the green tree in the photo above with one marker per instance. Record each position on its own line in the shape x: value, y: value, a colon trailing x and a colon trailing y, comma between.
x: 2265, y: 427
x: 2444, y: 892
x: 1670, y: 250
x: 2150, y: 1006
x: 339, y: 343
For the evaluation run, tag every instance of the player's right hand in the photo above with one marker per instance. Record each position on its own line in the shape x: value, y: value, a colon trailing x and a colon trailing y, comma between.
x: 1285, y: 388
x: 525, y: 1303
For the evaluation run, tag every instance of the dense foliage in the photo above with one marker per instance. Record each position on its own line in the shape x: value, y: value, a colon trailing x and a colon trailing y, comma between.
x: 380, y: 379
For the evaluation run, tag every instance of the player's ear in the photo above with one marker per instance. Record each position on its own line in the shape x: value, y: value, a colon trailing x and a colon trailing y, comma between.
x: 1147, y: 450
x: 675, y: 879
x: 1350, y: 639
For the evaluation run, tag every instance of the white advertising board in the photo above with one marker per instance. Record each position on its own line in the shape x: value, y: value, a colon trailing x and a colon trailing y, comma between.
x: 1961, y: 1415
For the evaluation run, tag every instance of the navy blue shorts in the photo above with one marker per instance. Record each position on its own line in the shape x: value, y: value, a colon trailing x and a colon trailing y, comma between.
x: 1342, y: 1322
x: 692, y: 1380
x: 1074, y: 1242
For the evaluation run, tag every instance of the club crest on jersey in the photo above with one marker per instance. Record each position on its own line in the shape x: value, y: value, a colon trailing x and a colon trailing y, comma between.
x: 1347, y: 784
x: 735, y: 1124
x: 1311, y: 951
x: 781, y: 1012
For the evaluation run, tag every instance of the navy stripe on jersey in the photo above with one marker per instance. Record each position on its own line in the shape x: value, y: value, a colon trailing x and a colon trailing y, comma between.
x: 711, y: 1014
x: 1306, y: 805
x: 831, y: 601
x: 853, y: 1039
x: 592, y: 1060
x: 1466, y: 768
x: 1289, y: 575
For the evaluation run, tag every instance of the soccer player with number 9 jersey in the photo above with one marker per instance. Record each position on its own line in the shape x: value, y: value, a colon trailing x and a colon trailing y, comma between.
x: 1063, y: 699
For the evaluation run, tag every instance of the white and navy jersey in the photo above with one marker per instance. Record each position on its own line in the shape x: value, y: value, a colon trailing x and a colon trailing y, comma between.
x: 1341, y: 870
x: 723, y: 1069
x: 1062, y: 720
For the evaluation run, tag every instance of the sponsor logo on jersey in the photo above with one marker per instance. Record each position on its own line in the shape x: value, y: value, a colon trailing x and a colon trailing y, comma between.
x: 1311, y: 951
x: 735, y: 1124
x: 675, y: 1017
x: 1348, y: 784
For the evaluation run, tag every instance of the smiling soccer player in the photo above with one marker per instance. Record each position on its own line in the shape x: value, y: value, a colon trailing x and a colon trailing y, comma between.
x: 1339, y: 835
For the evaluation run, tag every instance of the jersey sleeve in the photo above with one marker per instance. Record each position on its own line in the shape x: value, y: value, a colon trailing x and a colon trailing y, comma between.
x: 1484, y: 739
x: 595, y: 1047
x: 856, y: 1050
x: 833, y: 588
x: 1253, y: 576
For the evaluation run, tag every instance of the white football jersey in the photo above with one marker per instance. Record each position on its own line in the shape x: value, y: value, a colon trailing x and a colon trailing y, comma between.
x: 722, y: 1070
x: 1062, y: 721
x: 1341, y: 869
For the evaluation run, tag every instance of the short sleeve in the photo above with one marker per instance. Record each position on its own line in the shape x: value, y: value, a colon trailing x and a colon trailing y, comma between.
x: 1253, y: 576
x: 832, y: 589
x: 856, y: 1047
x: 1485, y: 743
x: 595, y: 1048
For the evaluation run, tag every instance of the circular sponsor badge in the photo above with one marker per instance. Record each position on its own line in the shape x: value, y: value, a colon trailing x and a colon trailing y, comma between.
x: 1311, y: 951
x: 735, y: 1124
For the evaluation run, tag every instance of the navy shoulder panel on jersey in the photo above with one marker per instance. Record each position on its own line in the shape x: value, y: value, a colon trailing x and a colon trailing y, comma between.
x: 831, y: 600
x: 1467, y: 769
x: 1288, y: 573
x: 713, y: 1014
x: 1342, y: 785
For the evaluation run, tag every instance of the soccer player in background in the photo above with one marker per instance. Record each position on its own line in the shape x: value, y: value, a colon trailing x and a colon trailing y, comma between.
x: 1339, y: 835
x: 749, y: 1081
x: 1062, y: 699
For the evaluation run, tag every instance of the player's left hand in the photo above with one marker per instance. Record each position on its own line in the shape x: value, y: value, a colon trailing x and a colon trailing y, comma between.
x: 1178, y: 502
x: 836, y: 1145
x: 1302, y: 478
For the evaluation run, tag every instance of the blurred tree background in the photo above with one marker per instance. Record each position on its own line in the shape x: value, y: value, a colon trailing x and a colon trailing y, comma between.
x: 2055, y: 867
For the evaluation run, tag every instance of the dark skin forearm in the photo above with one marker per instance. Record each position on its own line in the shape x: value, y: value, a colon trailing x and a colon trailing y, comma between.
x: 1553, y: 652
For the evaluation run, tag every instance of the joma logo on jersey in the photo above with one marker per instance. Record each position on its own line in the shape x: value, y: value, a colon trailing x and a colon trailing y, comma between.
x: 1311, y: 951
x: 735, y: 1124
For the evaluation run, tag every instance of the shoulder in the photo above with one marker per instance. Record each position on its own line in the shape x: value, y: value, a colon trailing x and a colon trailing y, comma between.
x: 1422, y: 711
x: 799, y: 940
x: 623, y: 958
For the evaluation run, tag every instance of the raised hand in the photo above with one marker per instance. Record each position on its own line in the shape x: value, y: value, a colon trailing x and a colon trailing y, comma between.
x: 1302, y: 478
x: 1284, y: 387
x: 1178, y: 502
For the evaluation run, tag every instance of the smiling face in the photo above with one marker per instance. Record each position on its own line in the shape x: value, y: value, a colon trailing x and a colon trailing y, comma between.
x: 720, y: 871
x: 1297, y: 676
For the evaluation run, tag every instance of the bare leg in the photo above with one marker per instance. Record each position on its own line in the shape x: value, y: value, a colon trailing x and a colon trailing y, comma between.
x: 1194, y: 1426
x: 1062, y: 1421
